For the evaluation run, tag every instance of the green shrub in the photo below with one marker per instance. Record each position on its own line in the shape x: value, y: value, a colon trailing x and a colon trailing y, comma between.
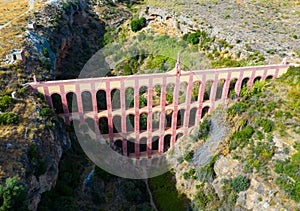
x: 8, y: 118
x: 204, y: 128
x: 47, y: 112
x: 266, y: 124
x: 138, y: 24
x: 189, y: 156
x: 5, y: 102
x: 13, y: 196
x: 240, y: 183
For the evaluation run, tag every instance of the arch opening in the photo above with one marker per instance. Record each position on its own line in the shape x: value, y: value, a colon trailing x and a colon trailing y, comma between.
x: 220, y: 87
x: 245, y: 82
x: 118, y: 146
x: 143, y: 121
x: 231, y: 91
x: 87, y: 101
x: 167, y: 142
x: 205, y: 111
x: 257, y: 79
x: 72, y: 102
x: 169, y: 94
x: 155, y: 143
x: 195, y: 91
x: 129, y: 98
x: 130, y: 123
x: 182, y: 92
x: 180, y: 118
x: 117, y: 124
x: 143, y: 95
x: 130, y: 146
x: 101, y: 100
x: 178, y: 136
x: 155, y: 120
x: 168, y: 121
x: 156, y: 95
x: 192, y: 118
x: 57, y: 103
x: 207, y: 90
x: 268, y: 78
x: 115, y: 99
x: 143, y: 145
x: 103, y: 125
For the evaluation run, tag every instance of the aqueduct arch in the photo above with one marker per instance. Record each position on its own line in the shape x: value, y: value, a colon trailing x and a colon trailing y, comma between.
x: 145, y: 114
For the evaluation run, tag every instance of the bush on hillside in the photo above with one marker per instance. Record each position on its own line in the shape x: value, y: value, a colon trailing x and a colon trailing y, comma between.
x: 8, y: 118
x: 138, y: 24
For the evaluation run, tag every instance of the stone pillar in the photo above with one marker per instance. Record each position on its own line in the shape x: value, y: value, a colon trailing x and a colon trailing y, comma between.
x: 188, y: 105
x: 47, y: 96
x: 175, y: 111
x: 79, y: 103
x: 63, y: 98
x: 239, y: 83
x: 162, y: 115
x: 265, y: 74
x: 109, y: 112
x: 136, y: 119
x: 149, y: 118
x: 226, y: 87
x: 123, y: 118
x: 251, y: 79
x: 200, y: 99
x: 277, y: 72
x: 213, y: 91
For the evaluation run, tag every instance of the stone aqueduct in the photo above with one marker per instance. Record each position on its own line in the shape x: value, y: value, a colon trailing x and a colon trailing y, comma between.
x: 138, y: 129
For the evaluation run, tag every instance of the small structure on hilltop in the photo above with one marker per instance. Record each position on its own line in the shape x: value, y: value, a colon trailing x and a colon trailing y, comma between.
x: 16, y: 54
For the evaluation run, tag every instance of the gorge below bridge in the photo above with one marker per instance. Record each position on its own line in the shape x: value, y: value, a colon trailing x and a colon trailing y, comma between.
x: 144, y: 115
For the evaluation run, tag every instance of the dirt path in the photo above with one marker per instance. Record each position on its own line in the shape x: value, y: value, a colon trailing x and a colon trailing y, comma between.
x: 31, y: 5
x: 150, y: 194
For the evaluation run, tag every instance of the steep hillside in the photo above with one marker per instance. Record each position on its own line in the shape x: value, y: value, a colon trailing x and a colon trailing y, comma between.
x: 248, y: 153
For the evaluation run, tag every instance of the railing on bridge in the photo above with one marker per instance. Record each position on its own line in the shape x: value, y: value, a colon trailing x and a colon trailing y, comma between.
x: 142, y: 115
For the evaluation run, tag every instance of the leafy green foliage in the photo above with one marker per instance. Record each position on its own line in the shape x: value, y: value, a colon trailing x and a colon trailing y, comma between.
x: 5, y: 102
x: 13, y: 196
x: 165, y: 194
x: 8, y: 118
x: 47, y: 112
x: 240, y: 183
x: 138, y: 24
x: 207, y: 173
x: 204, y: 128
x: 266, y: 124
x: 189, y: 156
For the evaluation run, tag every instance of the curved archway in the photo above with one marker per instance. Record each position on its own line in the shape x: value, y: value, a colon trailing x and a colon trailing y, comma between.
x: 115, y: 99
x: 205, y: 111
x: 182, y: 92
x: 91, y: 123
x: 207, y: 90
x: 169, y: 94
x: 57, y: 103
x: 257, y: 79
x: 130, y: 146
x: 87, y: 101
x: 156, y: 95
x: 103, y: 125
x: 245, y: 82
x: 101, y: 100
x: 195, y: 91
x: 155, y: 120
x: 178, y: 136
x: 180, y: 118
x: 143, y: 121
x: 167, y: 142
x: 192, y: 118
x: 117, y: 124
x: 130, y: 123
x: 268, y: 78
x: 168, y: 120
x: 143, y: 94
x: 118, y: 146
x: 72, y: 102
x: 220, y: 87
x: 129, y: 97
x: 155, y: 143
x: 143, y: 145
x: 231, y: 90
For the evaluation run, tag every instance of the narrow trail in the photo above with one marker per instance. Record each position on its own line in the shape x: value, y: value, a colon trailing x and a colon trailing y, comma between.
x: 31, y: 5
x: 150, y: 194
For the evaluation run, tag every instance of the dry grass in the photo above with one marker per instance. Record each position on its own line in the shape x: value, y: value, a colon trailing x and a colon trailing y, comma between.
x: 12, y: 36
x: 9, y: 9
